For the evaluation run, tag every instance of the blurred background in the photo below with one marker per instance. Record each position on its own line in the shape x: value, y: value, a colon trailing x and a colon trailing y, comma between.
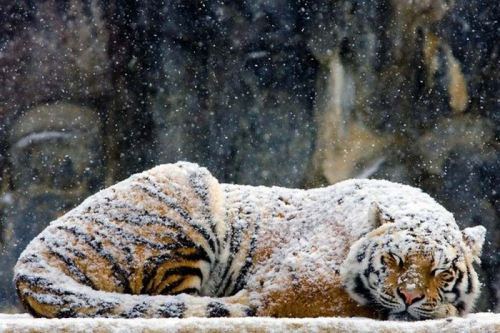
x: 272, y: 92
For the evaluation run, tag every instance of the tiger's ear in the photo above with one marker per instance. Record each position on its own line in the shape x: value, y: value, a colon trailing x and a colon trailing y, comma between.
x: 376, y: 217
x: 474, y: 239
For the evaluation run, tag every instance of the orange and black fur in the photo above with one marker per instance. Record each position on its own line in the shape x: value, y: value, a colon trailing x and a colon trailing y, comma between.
x: 173, y: 242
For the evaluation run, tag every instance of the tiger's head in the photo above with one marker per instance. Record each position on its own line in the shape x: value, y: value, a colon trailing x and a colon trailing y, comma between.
x: 414, y: 270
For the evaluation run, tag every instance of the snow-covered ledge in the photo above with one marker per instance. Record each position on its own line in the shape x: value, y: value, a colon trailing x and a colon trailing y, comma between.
x: 478, y: 322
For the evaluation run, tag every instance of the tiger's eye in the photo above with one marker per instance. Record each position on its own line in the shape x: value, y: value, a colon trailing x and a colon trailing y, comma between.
x: 391, y: 259
x: 446, y: 275
x: 397, y: 259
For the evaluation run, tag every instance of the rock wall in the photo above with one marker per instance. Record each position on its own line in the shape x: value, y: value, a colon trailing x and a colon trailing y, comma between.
x: 286, y: 92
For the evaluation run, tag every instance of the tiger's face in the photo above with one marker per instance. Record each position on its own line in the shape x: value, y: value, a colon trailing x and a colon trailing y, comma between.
x: 414, y: 273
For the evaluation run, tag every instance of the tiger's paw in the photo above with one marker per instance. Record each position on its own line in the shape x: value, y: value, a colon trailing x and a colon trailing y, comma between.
x: 245, y: 311
x: 241, y: 297
x: 238, y: 305
x: 219, y: 309
x: 445, y: 310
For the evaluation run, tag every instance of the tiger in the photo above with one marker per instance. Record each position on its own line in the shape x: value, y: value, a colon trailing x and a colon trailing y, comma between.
x: 173, y: 242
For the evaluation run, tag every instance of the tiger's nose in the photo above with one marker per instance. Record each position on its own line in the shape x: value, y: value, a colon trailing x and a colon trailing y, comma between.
x: 410, y: 296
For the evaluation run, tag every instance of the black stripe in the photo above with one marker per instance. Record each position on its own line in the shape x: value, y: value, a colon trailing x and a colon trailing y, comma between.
x: 163, y: 198
x: 171, y: 286
x: 191, y: 291
x: 66, y: 312
x: 55, y: 297
x: 369, y: 270
x: 22, y: 297
x: 234, y: 245
x: 46, y: 286
x: 97, y: 246
x: 31, y: 258
x: 199, y: 184
x: 62, y: 298
x: 125, y: 212
x: 118, y: 245
x: 200, y: 187
x: 128, y: 217
x: 227, y: 285
x: 205, y: 235
x: 138, y: 311
x: 241, y: 280
x: 387, y: 299
x: 175, y: 309
x: 234, y: 249
x: 250, y: 312
x: 180, y: 241
x: 229, y: 261
x: 184, y: 270
x: 152, y: 265
x: 136, y: 239
x: 72, y: 267
x: 430, y: 309
x: 177, y: 235
x: 217, y: 309
x: 469, y: 281
x: 449, y: 279
x: 150, y: 269
x: 459, y: 279
x: 199, y: 255
x: 224, y: 277
x: 105, y: 308
x: 361, y: 290
x: 140, y: 217
x: 33, y: 280
x: 230, y: 278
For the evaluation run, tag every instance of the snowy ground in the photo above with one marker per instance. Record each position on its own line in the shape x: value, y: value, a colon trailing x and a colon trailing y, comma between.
x: 478, y: 322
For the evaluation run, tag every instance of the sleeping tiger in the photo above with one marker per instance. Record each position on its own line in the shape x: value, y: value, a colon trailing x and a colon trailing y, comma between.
x: 173, y: 242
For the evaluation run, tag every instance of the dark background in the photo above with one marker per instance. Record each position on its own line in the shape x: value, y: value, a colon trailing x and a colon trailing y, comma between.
x: 283, y: 92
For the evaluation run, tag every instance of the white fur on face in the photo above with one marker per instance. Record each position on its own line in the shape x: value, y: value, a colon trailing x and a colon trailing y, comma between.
x: 365, y: 274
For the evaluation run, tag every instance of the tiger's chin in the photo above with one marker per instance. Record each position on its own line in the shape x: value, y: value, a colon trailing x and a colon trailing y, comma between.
x: 403, y: 313
x: 442, y: 311
x: 402, y: 316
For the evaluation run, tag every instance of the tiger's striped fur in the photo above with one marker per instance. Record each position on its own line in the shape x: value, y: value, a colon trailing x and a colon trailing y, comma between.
x: 162, y: 232
x: 173, y: 242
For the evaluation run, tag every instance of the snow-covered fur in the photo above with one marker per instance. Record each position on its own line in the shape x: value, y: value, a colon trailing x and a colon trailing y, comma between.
x: 416, y: 263
x: 173, y: 242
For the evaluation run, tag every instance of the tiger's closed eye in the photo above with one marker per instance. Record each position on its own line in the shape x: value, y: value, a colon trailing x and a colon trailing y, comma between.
x: 391, y: 258
x: 447, y: 275
x: 444, y: 274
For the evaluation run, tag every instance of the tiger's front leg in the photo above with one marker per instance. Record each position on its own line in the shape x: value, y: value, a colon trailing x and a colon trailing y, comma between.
x: 306, y: 298
x: 446, y: 310
x: 212, y: 307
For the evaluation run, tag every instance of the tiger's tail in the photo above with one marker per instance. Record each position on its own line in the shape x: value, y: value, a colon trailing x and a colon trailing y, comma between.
x: 52, y: 294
